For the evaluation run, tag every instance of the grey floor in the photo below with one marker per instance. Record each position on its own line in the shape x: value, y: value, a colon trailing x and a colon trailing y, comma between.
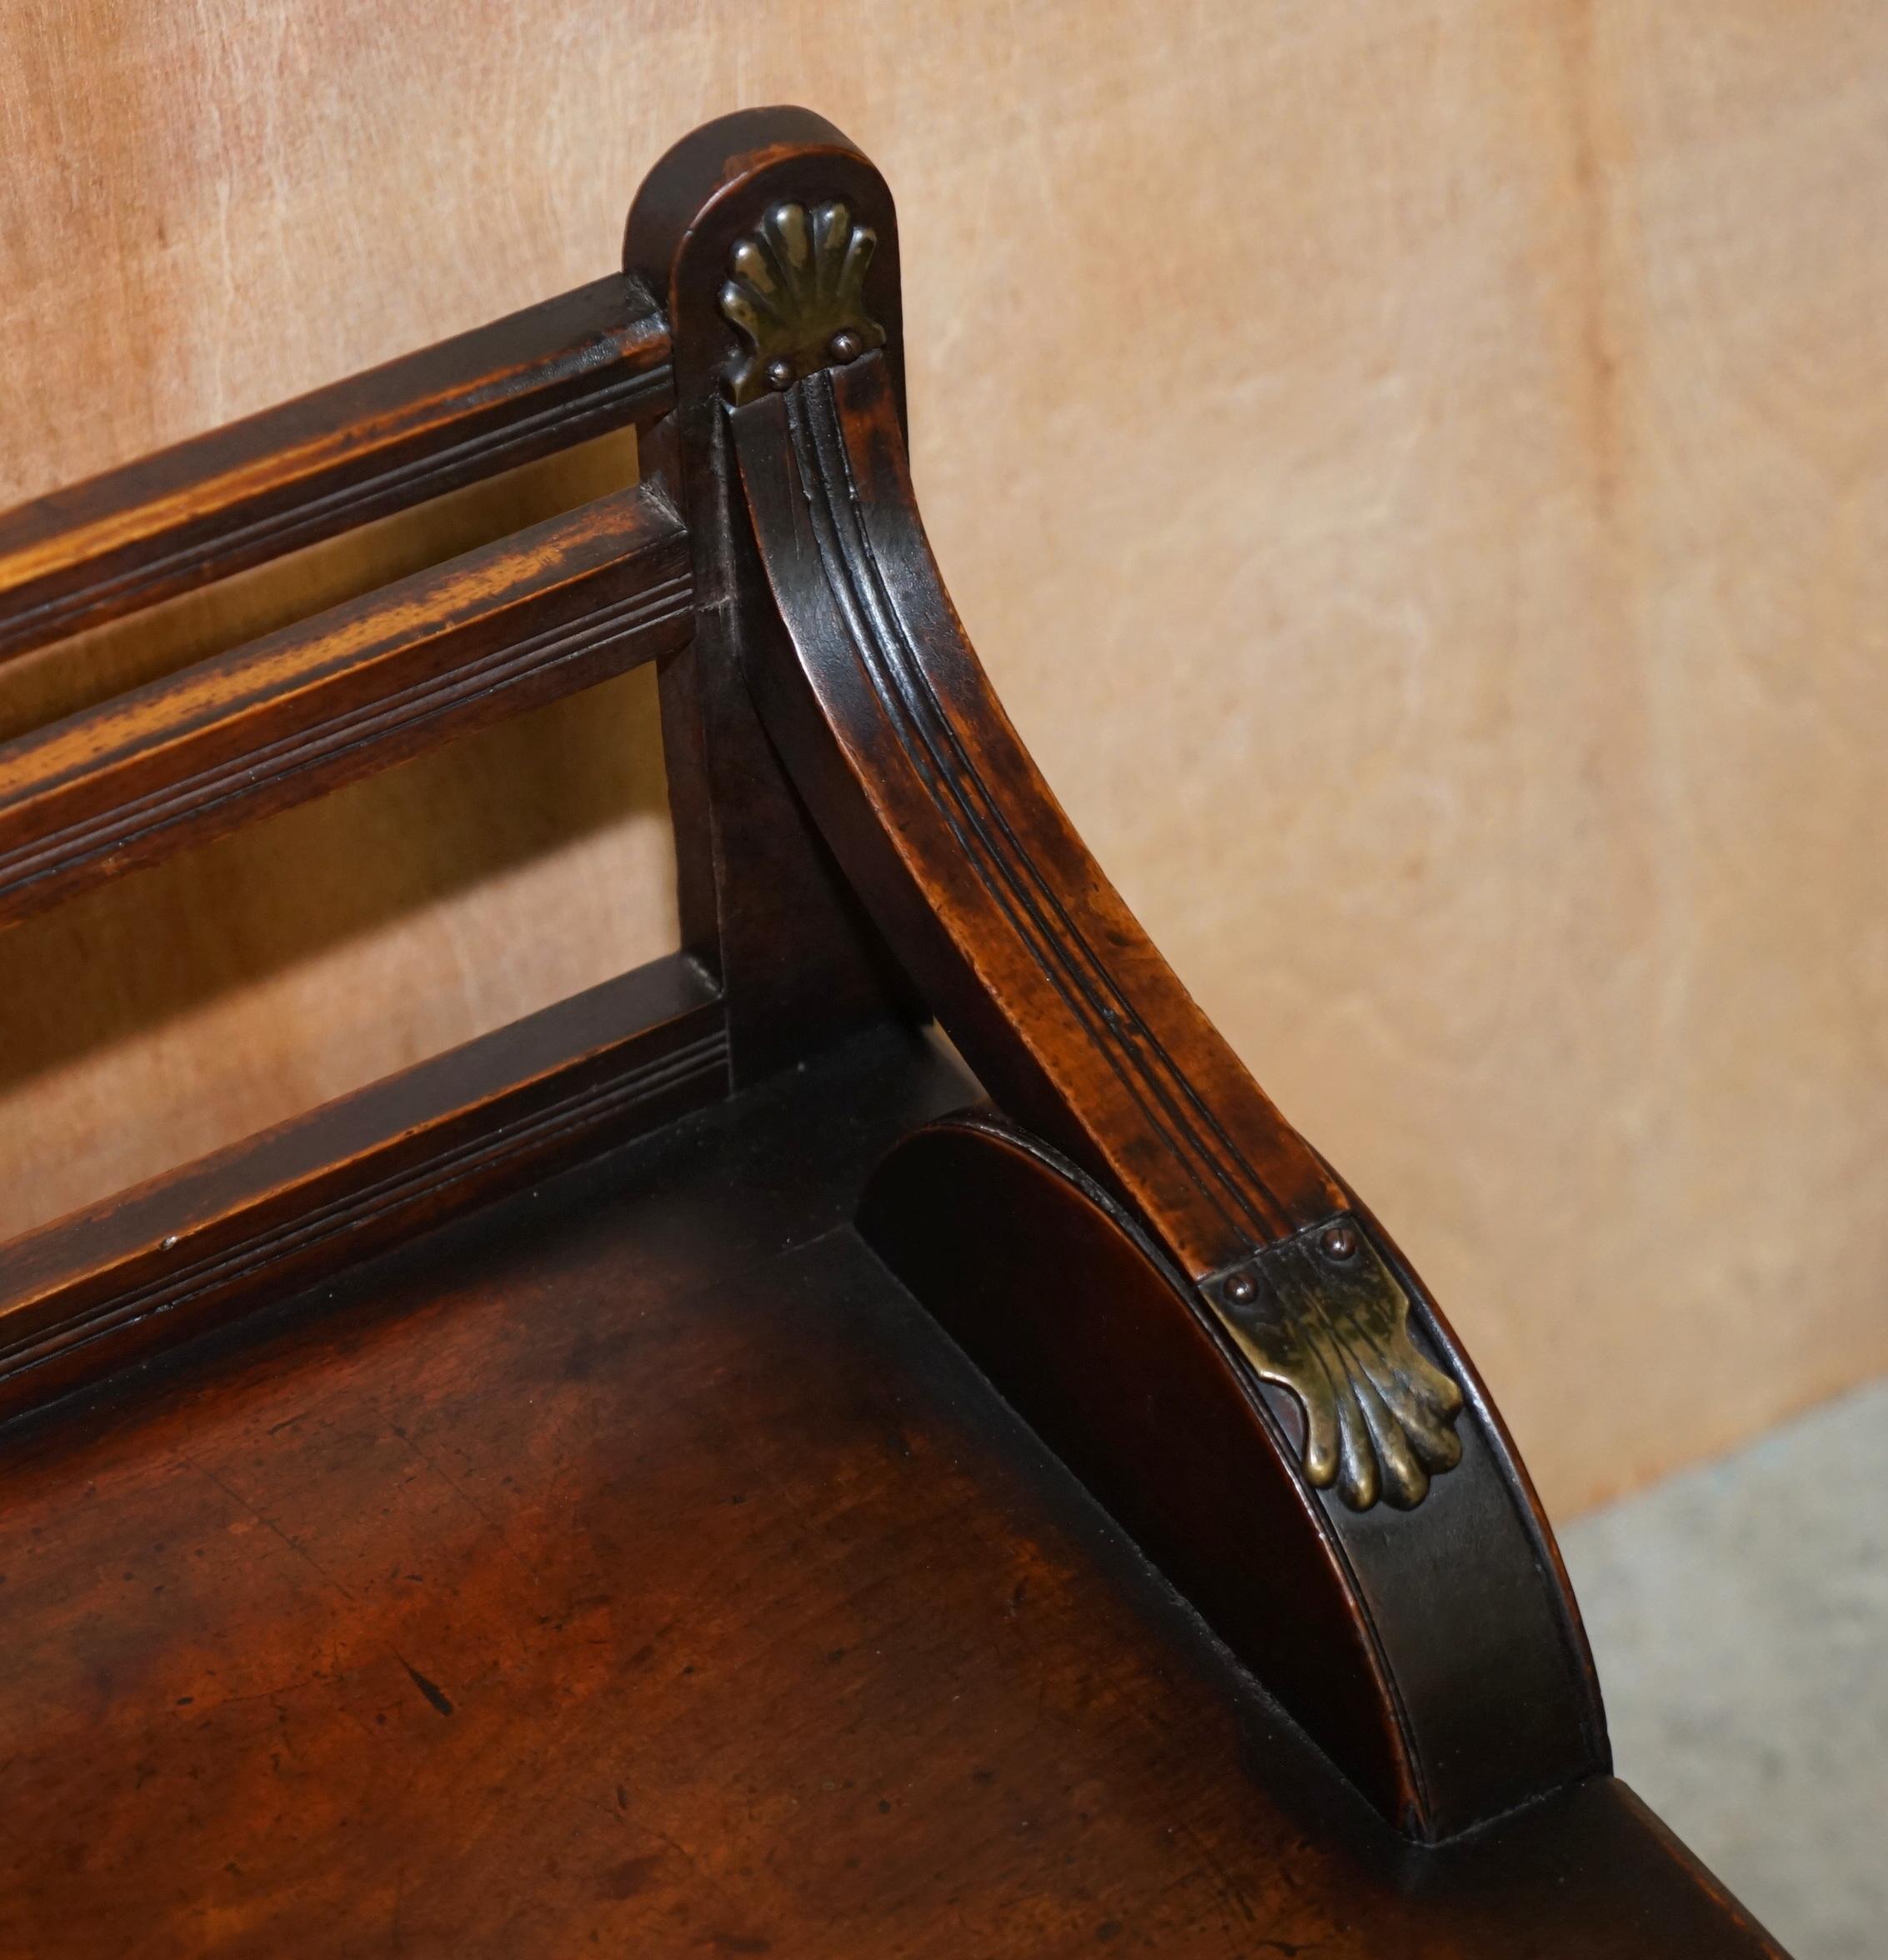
x: 1738, y: 1614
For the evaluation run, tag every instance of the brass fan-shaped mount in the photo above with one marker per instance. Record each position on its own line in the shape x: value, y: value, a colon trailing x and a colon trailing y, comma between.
x: 796, y: 294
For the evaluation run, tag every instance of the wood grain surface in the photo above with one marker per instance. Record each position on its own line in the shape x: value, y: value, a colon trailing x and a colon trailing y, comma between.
x: 237, y: 1229
x: 577, y: 365
x: 546, y: 612
x: 635, y: 1568
x: 1437, y: 560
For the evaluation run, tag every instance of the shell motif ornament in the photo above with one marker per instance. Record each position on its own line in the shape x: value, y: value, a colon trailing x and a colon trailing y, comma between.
x: 796, y: 294
x: 1322, y: 1315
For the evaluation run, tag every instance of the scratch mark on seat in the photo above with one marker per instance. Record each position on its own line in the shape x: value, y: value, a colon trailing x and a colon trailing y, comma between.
x: 269, y: 1524
x: 432, y: 1691
x: 471, y: 1502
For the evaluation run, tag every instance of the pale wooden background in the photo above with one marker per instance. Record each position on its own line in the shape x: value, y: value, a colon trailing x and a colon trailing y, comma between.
x: 1419, y: 473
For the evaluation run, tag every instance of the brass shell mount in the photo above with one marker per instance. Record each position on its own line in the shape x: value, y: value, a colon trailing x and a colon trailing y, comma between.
x: 796, y: 294
x: 1322, y: 1315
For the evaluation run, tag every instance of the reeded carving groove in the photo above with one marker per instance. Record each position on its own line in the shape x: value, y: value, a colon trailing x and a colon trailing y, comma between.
x: 797, y: 296
x: 432, y: 698
x: 974, y: 811
x: 277, y: 531
x: 699, y: 1065
x: 1333, y: 1329
x: 1322, y: 1315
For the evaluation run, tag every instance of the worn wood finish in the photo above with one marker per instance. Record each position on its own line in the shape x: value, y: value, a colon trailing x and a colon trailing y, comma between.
x: 636, y: 1566
x: 1043, y: 976
x: 1437, y: 1657
x: 109, y: 1285
x: 1080, y: 1029
x: 761, y: 901
x: 1419, y: 462
x: 596, y: 1364
x: 555, y: 374
x: 225, y: 990
x: 90, y: 667
x: 552, y: 609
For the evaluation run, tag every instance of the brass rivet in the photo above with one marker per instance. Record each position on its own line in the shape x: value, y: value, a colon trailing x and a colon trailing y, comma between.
x: 845, y: 345
x: 1340, y: 1242
x: 780, y: 374
x: 1240, y: 1289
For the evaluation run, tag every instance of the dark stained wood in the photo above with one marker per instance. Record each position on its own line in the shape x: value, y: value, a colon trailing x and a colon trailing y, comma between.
x: 635, y: 1569
x: 1434, y: 1656
x: 1081, y: 1031
x: 630, y: 1563
x: 942, y: 821
x: 87, y: 1294
x: 555, y: 374
x: 761, y: 901
x: 544, y: 613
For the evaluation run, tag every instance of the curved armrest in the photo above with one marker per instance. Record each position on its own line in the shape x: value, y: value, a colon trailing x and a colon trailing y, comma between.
x: 1149, y: 1260
x: 1032, y: 961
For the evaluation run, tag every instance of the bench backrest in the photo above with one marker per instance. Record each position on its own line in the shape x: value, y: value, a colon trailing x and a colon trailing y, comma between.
x: 171, y: 764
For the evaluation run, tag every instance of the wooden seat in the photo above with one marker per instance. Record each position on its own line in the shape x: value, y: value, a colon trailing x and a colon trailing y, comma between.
x: 701, y: 1470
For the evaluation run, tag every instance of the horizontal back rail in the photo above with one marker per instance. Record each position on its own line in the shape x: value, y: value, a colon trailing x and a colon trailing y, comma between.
x: 94, y: 1291
x: 543, y: 613
x: 590, y: 360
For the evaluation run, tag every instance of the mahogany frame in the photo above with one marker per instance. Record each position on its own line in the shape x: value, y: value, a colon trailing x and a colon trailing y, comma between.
x: 861, y: 837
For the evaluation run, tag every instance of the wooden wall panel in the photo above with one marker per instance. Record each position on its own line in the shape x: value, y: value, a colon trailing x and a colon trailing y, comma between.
x: 1439, y: 453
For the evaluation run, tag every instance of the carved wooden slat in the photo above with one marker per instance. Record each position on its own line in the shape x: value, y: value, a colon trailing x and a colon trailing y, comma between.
x: 548, y: 611
x: 589, y: 361
x: 87, y: 1294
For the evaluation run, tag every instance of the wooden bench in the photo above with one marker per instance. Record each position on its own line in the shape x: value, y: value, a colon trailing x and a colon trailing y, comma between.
x: 705, y: 1469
